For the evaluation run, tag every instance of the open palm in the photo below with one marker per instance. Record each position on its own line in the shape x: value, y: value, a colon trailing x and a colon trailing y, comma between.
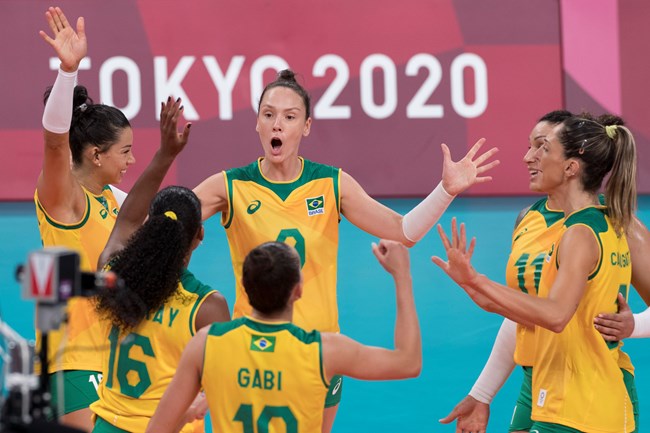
x: 70, y: 45
x: 458, y: 176
x: 458, y: 265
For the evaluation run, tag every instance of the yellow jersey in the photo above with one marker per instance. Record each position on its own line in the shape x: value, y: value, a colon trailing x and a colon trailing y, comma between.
x: 577, y: 381
x: 305, y: 213
x: 531, y: 240
x: 139, y: 365
x: 87, y: 237
x: 264, y: 377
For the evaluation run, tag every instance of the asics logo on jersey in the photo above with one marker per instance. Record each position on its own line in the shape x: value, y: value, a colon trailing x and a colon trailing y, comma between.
x: 337, y: 386
x: 315, y: 205
x: 253, y: 207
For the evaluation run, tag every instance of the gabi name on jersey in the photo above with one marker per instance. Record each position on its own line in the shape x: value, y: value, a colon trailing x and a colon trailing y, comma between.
x: 261, y: 379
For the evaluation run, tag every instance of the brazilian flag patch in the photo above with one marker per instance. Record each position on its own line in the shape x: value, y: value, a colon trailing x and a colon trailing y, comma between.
x: 261, y: 343
x: 315, y: 205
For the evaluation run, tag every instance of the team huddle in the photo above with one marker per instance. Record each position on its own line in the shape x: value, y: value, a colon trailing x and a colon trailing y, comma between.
x: 156, y: 354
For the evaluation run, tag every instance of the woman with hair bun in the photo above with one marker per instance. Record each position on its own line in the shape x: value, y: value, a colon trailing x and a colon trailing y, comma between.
x: 87, y: 147
x: 284, y: 197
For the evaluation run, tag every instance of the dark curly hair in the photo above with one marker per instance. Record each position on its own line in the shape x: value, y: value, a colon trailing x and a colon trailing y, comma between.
x: 152, y: 261
x: 270, y: 273
x: 92, y: 124
x: 287, y: 78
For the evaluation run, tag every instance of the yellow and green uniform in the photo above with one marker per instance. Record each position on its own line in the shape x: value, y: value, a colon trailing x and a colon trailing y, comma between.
x: 87, y: 237
x: 531, y: 240
x: 264, y: 377
x: 577, y: 381
x: 304, y: 213
x: 140, y: 364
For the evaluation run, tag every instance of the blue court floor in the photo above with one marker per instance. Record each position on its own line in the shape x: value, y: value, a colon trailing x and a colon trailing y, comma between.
x: 457, y: 335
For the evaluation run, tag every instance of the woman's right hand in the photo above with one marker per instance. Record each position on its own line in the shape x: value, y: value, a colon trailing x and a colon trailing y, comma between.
x: 394, y: 257
x: 70, y: 46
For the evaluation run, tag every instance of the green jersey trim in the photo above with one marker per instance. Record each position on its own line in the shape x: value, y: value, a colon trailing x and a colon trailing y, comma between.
x: 252, y: 173
x: 550, y: 216
x: 57, y: 225
x: 218, y: 329
x: 191, y: 284
x: 594, y: 219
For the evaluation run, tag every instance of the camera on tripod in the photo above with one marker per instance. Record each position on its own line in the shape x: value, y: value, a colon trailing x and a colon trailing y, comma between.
x: 50, y: 277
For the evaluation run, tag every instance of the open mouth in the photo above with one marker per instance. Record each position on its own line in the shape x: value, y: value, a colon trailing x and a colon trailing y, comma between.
x: 276, y: 142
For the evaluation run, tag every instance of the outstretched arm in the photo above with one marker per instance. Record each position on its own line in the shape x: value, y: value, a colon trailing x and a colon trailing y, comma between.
x: 552, y: 312
x: 378, y: 220
x: 342, y: 355
x: 58, y: 190
x: 137, y: 203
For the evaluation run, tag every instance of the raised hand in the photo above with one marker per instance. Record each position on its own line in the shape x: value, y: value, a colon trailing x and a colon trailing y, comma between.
x: 472, y: 416
x: 459, y: 255
x: 69, y: 45
x: 458, y: 176
x: 393, y: 256
x: 171, y: 141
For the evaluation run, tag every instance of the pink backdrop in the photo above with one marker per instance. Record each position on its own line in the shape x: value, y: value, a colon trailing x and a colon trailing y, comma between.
x: 389, y: 83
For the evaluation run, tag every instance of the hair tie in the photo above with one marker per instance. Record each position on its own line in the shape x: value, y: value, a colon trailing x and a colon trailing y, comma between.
x: 82, y: 107
x: 171, y: 215
x: 611, y: 131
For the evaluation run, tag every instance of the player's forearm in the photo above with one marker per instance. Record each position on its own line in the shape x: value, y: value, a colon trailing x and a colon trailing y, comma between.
x: 58, y: 108
x: 408, y: 341
x: 498, y: 366
x: 522, y: 308
x: 426, y: 214
x: 136, y: 204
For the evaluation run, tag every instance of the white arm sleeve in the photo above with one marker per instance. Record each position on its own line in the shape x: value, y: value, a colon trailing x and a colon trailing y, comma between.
x: 499, y: 365
x: 120, y: 195
x: 422, y: 217
x: 58, y: 109
x: 641, y: 325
